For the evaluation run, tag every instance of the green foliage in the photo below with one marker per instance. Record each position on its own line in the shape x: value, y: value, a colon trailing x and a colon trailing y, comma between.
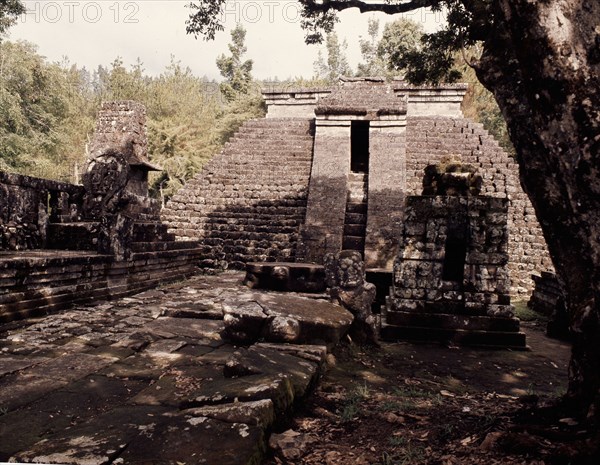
x: 238, y: 73
x: 373, y: 64
x: 336, y: 64
x: 47, y: 115
x: 352, y: 407
x: 400, y: 40
x: 10, y: 10
x: 38, y: 102
x: 479, y: 104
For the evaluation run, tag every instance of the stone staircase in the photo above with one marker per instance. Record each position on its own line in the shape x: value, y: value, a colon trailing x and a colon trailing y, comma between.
x: 249, y: 201
x: 71, y: 271
x: 355, y: 221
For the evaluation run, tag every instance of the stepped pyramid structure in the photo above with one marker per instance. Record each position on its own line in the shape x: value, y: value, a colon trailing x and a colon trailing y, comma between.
x: 329, y: 169
x: 249, y: 201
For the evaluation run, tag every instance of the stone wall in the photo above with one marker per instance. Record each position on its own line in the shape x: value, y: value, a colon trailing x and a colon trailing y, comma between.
x: 62, y: 244
x: 293, y: 102
x: 387, y: 178
x: 248, y: 202
x: 326, y: 208
x: 430, y: 139
x: 442, y: 100
x: 28, y: 205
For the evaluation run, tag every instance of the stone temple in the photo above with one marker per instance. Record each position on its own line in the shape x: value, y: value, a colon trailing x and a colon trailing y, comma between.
x: 366, y: 166
x: 329, y: 169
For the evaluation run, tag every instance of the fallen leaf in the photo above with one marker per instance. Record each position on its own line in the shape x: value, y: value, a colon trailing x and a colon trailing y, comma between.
x: 568, y: 421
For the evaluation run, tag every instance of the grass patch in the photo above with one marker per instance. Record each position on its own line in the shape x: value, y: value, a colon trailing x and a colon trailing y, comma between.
x: 408, y: 455
x: 413, y: 392
x: 399, y: 406
x: 352, y: 408
x: 524, y: 313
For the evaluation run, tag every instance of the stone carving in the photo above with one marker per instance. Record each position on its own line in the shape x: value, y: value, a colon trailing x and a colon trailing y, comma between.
x: 451, y: 177
x: 345, y: 278
x: 104, y: 182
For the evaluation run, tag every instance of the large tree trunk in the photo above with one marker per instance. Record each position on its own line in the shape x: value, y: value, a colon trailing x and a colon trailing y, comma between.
x: 542, y: 62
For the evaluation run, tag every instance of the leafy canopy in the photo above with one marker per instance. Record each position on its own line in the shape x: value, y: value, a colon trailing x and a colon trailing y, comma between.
x: 10, y: 10
x: 468, y: 21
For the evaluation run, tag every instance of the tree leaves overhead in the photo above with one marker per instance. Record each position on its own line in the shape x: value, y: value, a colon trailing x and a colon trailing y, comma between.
x: 10, y: 10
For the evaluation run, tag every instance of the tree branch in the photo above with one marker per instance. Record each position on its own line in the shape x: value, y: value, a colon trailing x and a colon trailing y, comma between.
x: 365, y: 6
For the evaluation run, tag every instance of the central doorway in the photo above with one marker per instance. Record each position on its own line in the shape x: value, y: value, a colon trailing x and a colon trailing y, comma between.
x: 359, y: 143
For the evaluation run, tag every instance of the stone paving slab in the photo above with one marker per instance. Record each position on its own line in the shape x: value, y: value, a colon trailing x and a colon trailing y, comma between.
x: 149, y: 379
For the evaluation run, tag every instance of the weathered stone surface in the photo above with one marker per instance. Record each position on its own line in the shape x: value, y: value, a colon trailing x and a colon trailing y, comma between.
x: 290, y: 445
x: 259, y: 413
x: 451, y: 274
x: 284, y: 318
x: 260, y: 359
x: 64, y: 408
x: 246, y: 211
x: 285, y: 276
x: 187, y: 438
x: 99, y: 442
x: 345, y: 276
x: 119, y: 383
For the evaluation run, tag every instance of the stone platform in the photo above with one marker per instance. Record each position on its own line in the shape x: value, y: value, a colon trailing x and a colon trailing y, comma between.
x: 149, y: 379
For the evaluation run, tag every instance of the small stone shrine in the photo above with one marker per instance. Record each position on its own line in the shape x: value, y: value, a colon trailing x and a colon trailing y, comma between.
x: 116, y: 173
x: 451, y: 281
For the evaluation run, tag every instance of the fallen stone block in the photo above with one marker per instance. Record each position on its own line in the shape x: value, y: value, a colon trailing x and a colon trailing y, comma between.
x: 285, y: 276
x: 283, y: 318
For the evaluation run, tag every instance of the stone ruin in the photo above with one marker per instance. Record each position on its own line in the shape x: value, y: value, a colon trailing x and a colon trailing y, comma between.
x: 62, y: 243
x: 329, y: 169
x: 451, y: 279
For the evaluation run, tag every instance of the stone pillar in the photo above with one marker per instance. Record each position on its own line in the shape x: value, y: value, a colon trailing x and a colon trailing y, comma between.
x: 326, y: 207
x: 386, y: 194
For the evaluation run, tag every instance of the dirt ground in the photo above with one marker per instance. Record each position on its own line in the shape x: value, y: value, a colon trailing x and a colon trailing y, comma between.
x: 428, y: 404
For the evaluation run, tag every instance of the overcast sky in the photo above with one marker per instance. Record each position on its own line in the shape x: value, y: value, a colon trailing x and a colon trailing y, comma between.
x: 92, y: 33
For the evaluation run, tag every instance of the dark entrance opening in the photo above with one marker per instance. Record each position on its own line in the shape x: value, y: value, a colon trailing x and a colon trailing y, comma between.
x: 454, y: 259
x: 359, y: 142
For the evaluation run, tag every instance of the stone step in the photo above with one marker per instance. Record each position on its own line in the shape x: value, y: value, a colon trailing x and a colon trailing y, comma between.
x: 353, y: 243
x: 260, y: 213
x: 360, y: 178
x: 360, y: 207
x: 264, y: 228
x: 355, y: 230
x: 268, y: 134
x: 355, y: 218
x: 357, y: 196
x: 162, y: 246
x: 73, y: 236
x: 285, y: 276
x: 497, y: 339
x: 451, y: 321
x: 284, y: 318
